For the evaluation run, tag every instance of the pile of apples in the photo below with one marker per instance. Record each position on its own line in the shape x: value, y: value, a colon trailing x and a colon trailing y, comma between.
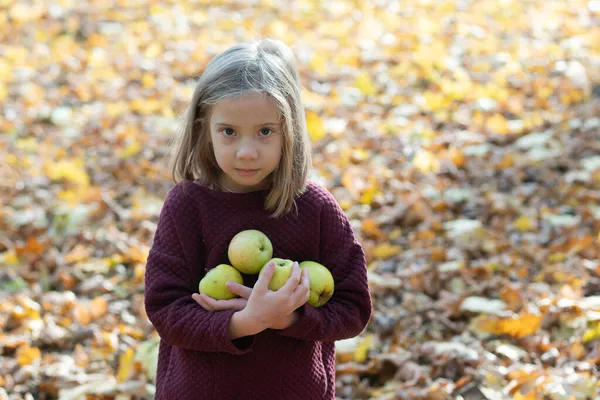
x: 249, y: 252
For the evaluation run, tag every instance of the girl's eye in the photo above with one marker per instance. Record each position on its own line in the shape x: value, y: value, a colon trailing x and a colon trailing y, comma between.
x: 265, y: 132
x: 228, y: 132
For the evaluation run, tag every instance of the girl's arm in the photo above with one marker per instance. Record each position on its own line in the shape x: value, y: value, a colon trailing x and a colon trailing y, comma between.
x: 348, y: 311
x: 178, y: 319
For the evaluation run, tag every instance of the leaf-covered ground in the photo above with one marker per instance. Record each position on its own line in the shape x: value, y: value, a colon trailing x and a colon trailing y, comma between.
x: 462, y: 138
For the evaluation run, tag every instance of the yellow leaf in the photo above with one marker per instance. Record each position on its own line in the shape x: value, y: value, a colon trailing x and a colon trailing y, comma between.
x: 72, y: 171
x: 115, y: 108
x: 362, y: 350
x: 315, y: 126
x: 312, y: 100
x: 145, y: 106
x: 12, y: 159
x: 386, y: 250
x: 345, y: 204
x: 126, y: 365
x: 153, y: 51
x: 27, y: 355
x: 148, y: 80
x: 24, y: 12
x: 498, y: 124
x: 426, y: 161
x: 436, y: 101
x: 370, y: 192
x: 523, y: 223
x: 396, y: 233
x: 278, y: 28
x: 365, y: 84
x: 29, y: 145
x: 591, y: 334
x: 318, y: 64
x: 132, y: 149
x: 10, y: 258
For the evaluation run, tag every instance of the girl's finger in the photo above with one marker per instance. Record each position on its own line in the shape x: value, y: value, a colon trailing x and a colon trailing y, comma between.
x: 294, y: 279
x: 302, y: 291
x: 262, y: 284
x: 233, y: 304
x: 196, y: 297
x: 305, y: 278
x: 240, y: 290
x: 202, y: 301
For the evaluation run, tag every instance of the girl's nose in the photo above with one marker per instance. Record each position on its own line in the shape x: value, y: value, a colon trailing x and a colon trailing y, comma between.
x: 247, y: 151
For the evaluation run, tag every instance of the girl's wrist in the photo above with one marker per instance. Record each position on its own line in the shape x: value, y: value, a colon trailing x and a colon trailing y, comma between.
x: 242, y: 324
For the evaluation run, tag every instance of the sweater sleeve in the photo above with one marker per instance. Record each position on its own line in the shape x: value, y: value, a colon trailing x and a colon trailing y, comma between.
x: 169, y: 285
x: 348, y: 311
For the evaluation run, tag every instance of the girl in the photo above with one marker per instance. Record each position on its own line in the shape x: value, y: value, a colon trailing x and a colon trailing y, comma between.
x: 242, y: 162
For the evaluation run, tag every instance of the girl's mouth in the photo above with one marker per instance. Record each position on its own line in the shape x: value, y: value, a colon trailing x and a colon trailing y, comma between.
x: 247, y: 172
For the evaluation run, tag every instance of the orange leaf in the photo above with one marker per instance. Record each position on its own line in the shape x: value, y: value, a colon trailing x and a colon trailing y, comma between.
x: 33, y: 246
x: 369, y: 227
x: 82, y: 314
x: 525, y: 325
x: 98, y: 307
x: 528, y: 396
x: 457, y: 157
x: 138, y: 255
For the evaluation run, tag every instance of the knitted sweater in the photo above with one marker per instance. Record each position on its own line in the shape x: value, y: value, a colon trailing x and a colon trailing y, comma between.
x: 197, y: 357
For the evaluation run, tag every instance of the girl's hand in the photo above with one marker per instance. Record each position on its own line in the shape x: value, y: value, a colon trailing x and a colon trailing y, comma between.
x: 286, y: 321
x: 210, y: 304
x: 269, y: 308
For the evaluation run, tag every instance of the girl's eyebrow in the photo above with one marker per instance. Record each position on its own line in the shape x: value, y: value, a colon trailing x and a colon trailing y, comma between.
x: 224, y: 123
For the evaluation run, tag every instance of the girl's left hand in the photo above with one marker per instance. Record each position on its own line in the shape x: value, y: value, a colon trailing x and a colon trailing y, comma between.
x: 210, y: 304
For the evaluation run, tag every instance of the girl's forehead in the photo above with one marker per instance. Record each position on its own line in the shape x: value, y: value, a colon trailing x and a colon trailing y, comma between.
x: 248, y: 107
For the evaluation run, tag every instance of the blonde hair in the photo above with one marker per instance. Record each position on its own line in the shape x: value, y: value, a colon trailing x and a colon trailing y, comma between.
x: 265, y: 66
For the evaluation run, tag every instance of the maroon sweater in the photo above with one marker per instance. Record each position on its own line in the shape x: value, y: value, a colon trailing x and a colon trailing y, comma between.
x: 197, y: 357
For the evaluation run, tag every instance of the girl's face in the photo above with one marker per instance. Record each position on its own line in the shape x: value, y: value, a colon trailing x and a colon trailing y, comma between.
x: 247, y: 139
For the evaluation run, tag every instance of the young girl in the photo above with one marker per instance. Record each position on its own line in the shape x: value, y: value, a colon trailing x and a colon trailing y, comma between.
x: 242, y: 162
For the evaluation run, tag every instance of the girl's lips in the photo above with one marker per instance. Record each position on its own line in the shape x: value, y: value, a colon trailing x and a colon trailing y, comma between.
x: 247, y: 172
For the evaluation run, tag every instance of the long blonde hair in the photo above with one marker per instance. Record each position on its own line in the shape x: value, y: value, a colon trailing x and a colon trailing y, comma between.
x: 265, y: 66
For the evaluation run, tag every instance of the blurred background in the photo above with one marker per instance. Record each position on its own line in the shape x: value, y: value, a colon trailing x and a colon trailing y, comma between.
x: 462, y: 139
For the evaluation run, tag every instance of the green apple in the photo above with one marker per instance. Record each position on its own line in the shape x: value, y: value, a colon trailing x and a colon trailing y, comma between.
x: 321, y: 283
x: 249, y: 251
x: 283, y: 271
x: 213, y: 283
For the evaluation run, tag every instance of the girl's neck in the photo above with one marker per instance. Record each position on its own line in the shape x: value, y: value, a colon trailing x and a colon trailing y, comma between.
x: 221, y: 185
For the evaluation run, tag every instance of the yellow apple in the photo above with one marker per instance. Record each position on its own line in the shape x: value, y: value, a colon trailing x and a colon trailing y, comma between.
x: 213, y: 283
x: 283, y: 271
x: 249, y: 251
x: 321, y: 283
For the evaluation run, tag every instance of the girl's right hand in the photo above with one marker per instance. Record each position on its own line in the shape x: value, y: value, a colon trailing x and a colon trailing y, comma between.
x: 267, y: 307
